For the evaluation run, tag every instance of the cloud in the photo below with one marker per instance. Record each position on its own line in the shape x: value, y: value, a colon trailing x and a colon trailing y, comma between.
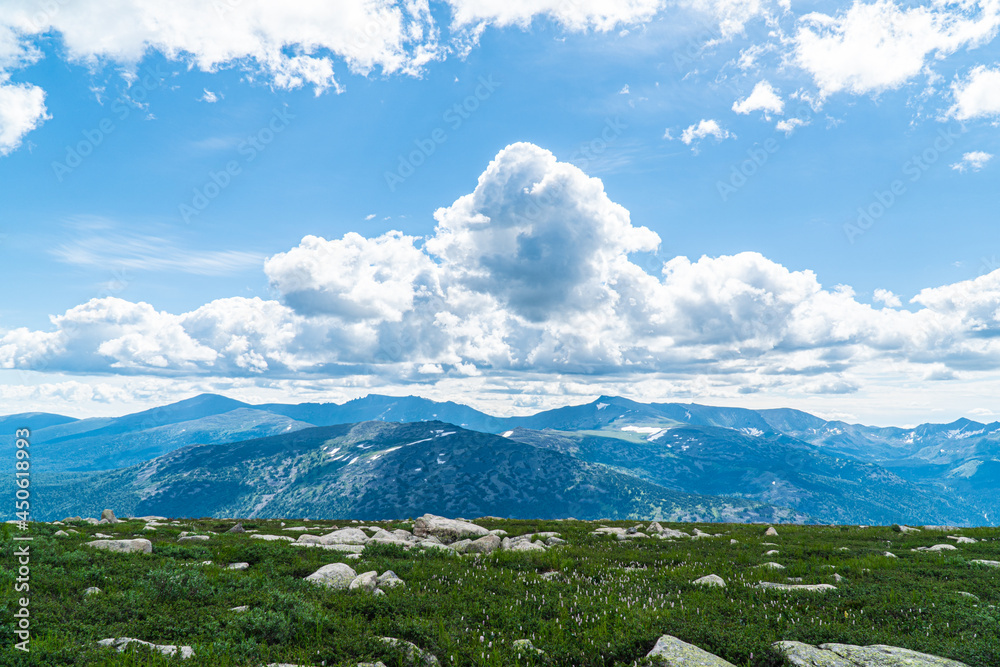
x: 789, y: 125
x: 880, y: 46
x: 210, y: 97
x: 704, y: 128
x: 731, y: 15
x: 117, y: 250
x: 531, y: 276
x: 977, y: 95
x: 762, y: 98
x: 888, y: 298
x: 22, y: 109
x: 577, y: 15
x: 974, y: 160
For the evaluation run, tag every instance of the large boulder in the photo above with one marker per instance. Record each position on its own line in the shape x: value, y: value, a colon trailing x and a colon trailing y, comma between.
x: 710, y: 580
x: 484, y: 545
x: 672, y: 652
x: 344, y: 536
x: 848, y: 655
x: 367, y: 581
x: 109, y: 516
x: 388, y: 579
x: 810, y: 588
x: 334, y: 575
x: 446, y: 530
x: 123, y: 546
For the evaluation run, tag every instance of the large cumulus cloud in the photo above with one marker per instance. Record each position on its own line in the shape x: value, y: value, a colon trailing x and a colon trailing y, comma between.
x: 532, y: 273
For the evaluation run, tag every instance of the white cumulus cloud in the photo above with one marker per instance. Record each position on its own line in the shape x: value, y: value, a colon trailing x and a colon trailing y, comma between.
x: 22, y: 109
x: 977, y: 95
x: 974, y: 160
x: 704, y: 128
x: 763, y: 98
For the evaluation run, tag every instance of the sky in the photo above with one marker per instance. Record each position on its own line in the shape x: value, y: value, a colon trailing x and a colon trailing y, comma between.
x: 513, y: 205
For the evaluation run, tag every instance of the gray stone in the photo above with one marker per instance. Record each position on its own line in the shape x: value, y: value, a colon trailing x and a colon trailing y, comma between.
x: 447, y: 530
x: 809, y: 588
x: 60, y: 533
x: 238, y: 528
x: 710, y: 580
x: 654, y: 527
x: 770, y: 531
x: 773, y: 566
x: 461, y: 545
x: 937, y: 547
x: 484, y: 545
x: 334, y: 575
x: 109, y: 516
x: 388, y: 579
x: 555, y: 541
x: 192, y: 538
x: 238, y: 566
x: 988, y: 563
x: 122, y: 643
x: 367, y: 581
x: 273, y: 538
x: 414, y: 655
x: 880, y: 655
x: 344, y: 536
x: 526, y: 646
x: 240, y: 609
x: 798, y: 654
x: 526, y: 546
x: 961, y: 539
x: 672, y: 652
x: 93, y: 590
x: 123, y: 546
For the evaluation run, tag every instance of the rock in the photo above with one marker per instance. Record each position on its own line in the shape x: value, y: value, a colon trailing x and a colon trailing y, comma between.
x: 654, y: 527
x: 93, y: 590
x: 353, y: 556
x: 388, y: 579
x: 238, y: 566
x: 673, y: 534
x: 123, y: 546
x: 734, y: 541
x: 631, y: 536
x: 848, y: 655
x: 773, y: 566
x: 461, y: 545
x: 238, y: 528
x: 632, y: 531
x: 988, y: 563
x: 499, y: 532
x: 121, y: 643
x: 404, y: 535
x: 554, y: 541
x: 968, y: 595
x: 346, y: 548
x: 889, y: 554
x: 672, y: 652
x: 484, y: 545
x: 306, y: 538
x: 414, y: 655
x: 109, y: 516
x: 102, y: 536
x: 447, y: 530
x: 192, y: 538
x: 797, y: 580
x: 526, y: 546
x: 526, y: 646
x: 240, y: 609
x: 367, y: 581
x: 771, y: 532
x: 344, y: 536
x: 273, y: 538
x: 906, y: 529
x: 363, y: 664
x: 937, y: 547
x: 837, y: 577
x: 60, y: 533
x: 91, y: 521
x: 334, y: 575
x: 772, y: 552
x: 810, y: 588
x: 961, y: 539
x: 710, y: 580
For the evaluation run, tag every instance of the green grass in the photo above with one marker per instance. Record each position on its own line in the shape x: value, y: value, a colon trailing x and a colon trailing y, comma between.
x: 607, y: 606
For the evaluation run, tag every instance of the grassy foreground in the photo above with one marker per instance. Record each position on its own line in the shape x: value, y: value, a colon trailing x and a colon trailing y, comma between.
x: 607, y: 605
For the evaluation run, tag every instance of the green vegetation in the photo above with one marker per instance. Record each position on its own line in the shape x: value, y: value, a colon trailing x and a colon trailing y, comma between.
x: 601, y: 602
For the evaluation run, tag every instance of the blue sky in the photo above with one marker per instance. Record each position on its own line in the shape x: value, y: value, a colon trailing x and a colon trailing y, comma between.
x: 245, y: 163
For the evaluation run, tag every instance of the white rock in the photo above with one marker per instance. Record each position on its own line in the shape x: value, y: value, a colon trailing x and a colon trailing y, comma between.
x: 988, y: 563
x: 773, y: 566
x: 770, y: 531
x: 388, y: 579
x: 710, y: 580
x: 238, y: 566
x: 121, y: 643
x: 367, y: 581
x: 672, y: 652
x: 192, y: 538
x: 272, y: 538
x: 447, y: 530
x: 344, y: 536
x: 93, y: 590
x: 123, y: 546
x: 819, y: 588
x: 334, y: 575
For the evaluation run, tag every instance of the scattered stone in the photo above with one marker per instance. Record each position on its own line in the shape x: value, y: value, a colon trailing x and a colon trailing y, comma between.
x: 414, y: 655
x: 770, y: 532
x: 848, y: 655
x: 734, y: 541
x: 353, y: 556
x: 937, y: 547
x: 388, y: 579
x: 123, y: 546
x: 907, y: 529
x: 837, y: 577
x: 889, y: 554
x: 772, y: 552
x: 773, y: 566
x: 102, y: 535
x: 672, y: 652
x: 484, y: 545
x: 334, y: 575
x: 122, y: 643
x: 968, y: 595
x: 238, y: 566
x: 447, y: 530
x: 109, y: 516
x: 367, y: 581
x: 461, y: 546
x: 60, y: 533
x: 814, y: 588
x: 273, y: 538
x: 192, y: 538
x: 240, y: 609
x: 710, y: 580
x: 796, y: 580
x: 344, y: 536
x: 238, y: 528
x: 527, y: 646
x: 554, y: 541
x: 988, y: 563
x: 525, y: 546
x: 961, y: 539
x: 93, y: 590
x: 654, y: 527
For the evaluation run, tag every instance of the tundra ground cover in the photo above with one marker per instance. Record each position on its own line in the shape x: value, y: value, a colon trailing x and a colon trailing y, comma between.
x: 595, y: 601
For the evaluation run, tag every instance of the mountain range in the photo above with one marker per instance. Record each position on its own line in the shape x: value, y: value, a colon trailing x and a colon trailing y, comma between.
x: 612, y: 457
